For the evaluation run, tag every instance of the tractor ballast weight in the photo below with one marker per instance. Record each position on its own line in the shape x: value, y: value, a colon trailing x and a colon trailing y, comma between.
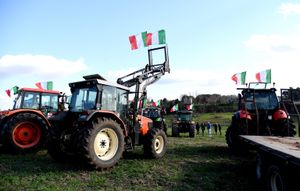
x: 259, y: 113
x: 23, y: 129
x: 101, y: 124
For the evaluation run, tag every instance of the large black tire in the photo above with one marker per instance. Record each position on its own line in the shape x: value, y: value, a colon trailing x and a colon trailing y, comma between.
x: 56, y: 145
x: 276, y: 181
x: 24, y: 133
x: 101, y: 143
x: 155, y: 143
x: 284, y: 127
x: 232, y: 139
x: 192, y: 131
x: 175, y: 131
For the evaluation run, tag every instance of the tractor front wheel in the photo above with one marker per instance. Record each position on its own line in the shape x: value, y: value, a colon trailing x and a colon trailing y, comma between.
x: 101, y: 144
x: 24, y: 132
x: 155, y: 143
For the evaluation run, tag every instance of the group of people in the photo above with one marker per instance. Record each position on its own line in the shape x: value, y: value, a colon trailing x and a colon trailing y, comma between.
x: 217, y: 128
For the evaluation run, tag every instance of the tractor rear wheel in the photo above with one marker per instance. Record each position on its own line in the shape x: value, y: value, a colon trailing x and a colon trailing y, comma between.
x: 232, y: 139
x: 192, y: 131
x: 56, y: 144
x: 101, y: 144
x: 175, y: 131
x: 24, y: 132
x: 155, y: 143
x: 285, y: 127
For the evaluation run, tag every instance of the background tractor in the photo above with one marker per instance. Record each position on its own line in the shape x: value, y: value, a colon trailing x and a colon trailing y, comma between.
x: 156, y: 114
x: 23, y: 129
x: 101, y: 124
x: 183, y: 123
x: 259, y: 113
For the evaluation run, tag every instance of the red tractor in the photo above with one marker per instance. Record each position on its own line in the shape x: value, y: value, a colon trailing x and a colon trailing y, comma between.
x: 23, y: 129
x: 101, y: 124
x: 259, y: 113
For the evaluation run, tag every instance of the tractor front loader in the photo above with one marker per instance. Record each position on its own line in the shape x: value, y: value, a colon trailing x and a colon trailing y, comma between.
x: 101, y: 123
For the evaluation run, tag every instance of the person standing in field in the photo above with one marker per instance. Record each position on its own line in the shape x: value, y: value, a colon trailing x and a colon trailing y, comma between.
x: 209, y: 128
x: 216, y: 128
x: 202, y: 128
x: 220, y: 128
x: 197, y: 127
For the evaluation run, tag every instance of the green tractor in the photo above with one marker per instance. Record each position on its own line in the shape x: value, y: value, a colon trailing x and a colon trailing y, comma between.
x: 183, y: 123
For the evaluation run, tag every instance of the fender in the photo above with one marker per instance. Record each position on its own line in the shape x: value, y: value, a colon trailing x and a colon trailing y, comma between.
x: 144, y: 122
x: 279, y: 114
x: 109, y: 114
x: 243, y: 114
x: 11, y: 113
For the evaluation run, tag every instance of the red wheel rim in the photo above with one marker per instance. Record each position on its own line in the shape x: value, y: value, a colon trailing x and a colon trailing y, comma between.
x: 26, y: 135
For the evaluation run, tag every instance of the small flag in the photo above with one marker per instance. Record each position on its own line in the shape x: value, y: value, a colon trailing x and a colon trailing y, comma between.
x: 239, y: 78
x: 156, y: 38
x: 264, y: 76
x: 143, y: 103
x: 189, y: 107
x: 174, y: 108
x: 156, y: 104
x: 45, y: 85
x: 15, y: 90
x: 8, y: 92
x: 138, y: 41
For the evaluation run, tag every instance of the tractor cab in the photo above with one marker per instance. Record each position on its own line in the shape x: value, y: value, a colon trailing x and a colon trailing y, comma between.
x: 95, y: 93
x: 184, y: 116
x: 46, y: 101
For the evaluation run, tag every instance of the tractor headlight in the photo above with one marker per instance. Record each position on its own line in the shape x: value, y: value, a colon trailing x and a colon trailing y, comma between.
x: 270, y: 117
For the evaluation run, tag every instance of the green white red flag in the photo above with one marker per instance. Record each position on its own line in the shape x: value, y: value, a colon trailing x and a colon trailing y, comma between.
x: 13, y: 90
x: 264, y: 76
x: 156, y: 104
x: 147, y: 39
x: 189, y: 107
x: 138, y: 40
x: 154, y: 38
x: 174, y: 108
x: 239, y: 78
x: 45, y: 85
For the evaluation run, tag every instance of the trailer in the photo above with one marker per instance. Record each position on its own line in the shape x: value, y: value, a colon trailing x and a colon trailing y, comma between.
x: 277, y: 161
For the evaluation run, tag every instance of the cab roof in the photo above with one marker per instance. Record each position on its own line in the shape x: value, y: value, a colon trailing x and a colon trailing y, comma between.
x: 40, y: 90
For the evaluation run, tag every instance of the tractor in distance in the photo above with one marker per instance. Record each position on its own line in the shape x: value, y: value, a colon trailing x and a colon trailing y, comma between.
x: 101, y: 124
x: 259, y: 113
x: 183, y: 122
x: 23, y: 129
x: 156, y: 114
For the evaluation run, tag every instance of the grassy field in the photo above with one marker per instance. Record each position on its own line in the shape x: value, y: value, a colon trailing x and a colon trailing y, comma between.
x: 201, y: 163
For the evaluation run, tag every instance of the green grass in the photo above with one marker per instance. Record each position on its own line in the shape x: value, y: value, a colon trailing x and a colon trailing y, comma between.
x: 201, y: 163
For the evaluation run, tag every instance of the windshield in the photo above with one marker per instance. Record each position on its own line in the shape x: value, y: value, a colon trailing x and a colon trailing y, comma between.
x: 83, y: 99
x: 184, y: 117
x: 49, y: 102
x: 264, y: 100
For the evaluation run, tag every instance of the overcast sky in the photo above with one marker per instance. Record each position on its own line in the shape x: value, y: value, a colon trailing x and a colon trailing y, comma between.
x: 208, y: 41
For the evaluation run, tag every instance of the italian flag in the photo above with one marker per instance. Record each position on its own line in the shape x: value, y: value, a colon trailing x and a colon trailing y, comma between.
x: 264, y: 76
x: 156, y: 104
x: 239, y: 78
x: 156, y: 38
x: 189, y: 107
x: 143, y: 103
x: 45, y: 85
x: 174, y: 108
x: 138, y: 40
x: 15, y: 90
